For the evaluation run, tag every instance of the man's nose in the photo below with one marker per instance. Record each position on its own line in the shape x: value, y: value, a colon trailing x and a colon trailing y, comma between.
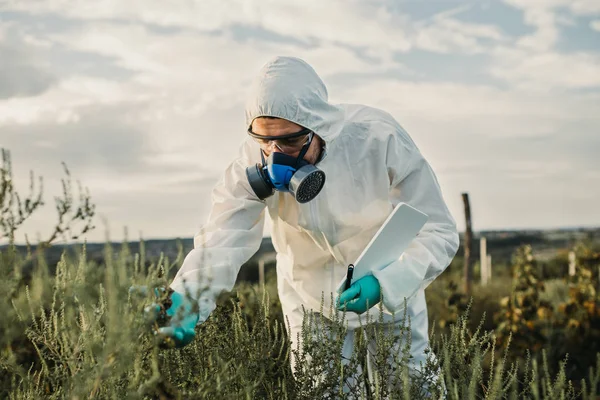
x: 275, y: 150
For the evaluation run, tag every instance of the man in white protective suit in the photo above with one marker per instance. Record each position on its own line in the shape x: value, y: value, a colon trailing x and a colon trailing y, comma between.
x: 327, y: 176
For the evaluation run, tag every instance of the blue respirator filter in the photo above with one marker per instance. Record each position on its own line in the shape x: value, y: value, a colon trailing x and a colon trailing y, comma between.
x: 286, y: 174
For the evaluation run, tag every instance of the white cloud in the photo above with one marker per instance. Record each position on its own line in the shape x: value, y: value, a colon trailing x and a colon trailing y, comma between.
x: 65, y: 98
x: 332, y: 21
x: 546, y: 34
x: 357, y: 24
x: 546, y: 15
x: 584, y: 7
x: 446, y: 35
x: 577, y: 7
x: 595, y: 25
x: 461, y: 103
x: 199, y: 63
x: 207, y: 15
x: 534, y: 63
x: 545, y: 71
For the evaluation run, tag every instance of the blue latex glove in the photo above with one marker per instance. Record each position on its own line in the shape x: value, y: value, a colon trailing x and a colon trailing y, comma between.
x: 361, y: 295
x: 180, y: 330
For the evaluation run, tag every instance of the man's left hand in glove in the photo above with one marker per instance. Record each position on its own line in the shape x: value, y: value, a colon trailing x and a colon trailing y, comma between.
x: 361, y: 295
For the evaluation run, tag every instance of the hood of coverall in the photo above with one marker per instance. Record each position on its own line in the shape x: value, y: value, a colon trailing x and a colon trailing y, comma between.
x: 289, y: 88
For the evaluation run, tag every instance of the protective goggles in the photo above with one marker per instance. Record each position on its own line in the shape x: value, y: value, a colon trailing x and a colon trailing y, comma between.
x: 286, y: 143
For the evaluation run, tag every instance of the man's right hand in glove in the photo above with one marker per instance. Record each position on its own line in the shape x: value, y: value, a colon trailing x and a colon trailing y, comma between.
x: 181, y: 327
x: 182, y: 317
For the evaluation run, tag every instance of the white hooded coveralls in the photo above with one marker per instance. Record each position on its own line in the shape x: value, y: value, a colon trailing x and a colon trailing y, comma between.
x: 371, y: 164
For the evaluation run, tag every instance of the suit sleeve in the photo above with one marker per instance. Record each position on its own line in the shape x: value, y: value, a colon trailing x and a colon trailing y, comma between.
x: 232, y: 234
x: 412, y: 181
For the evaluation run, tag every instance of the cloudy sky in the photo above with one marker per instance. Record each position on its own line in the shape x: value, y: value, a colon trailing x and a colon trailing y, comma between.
x: 143, y: 100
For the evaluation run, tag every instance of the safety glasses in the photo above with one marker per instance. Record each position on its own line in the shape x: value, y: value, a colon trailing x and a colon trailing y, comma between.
x: 286, y: 143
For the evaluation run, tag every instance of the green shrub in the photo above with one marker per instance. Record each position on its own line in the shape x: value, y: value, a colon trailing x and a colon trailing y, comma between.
x: 524, y: 316
x: 556, y: 292
x: 80, y: 334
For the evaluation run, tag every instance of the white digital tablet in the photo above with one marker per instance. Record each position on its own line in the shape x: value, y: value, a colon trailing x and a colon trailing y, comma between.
x: 400, y: 228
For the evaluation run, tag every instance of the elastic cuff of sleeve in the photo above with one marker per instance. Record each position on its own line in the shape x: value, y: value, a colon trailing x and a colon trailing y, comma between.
x: 398, y: 281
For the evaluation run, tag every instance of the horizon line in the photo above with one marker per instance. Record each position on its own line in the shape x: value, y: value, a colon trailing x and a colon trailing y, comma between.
x: 563, y: 228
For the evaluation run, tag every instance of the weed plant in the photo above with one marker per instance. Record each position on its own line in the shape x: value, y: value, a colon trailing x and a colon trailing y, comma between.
x: 81, y: 334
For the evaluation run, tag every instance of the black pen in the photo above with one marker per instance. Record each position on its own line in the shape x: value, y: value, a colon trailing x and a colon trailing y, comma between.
x: 349, y: 276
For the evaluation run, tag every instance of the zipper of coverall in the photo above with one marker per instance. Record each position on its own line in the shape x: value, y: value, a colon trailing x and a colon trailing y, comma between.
x: 314, y: 223
x: 331, y: 250
x: 319, y: 236
x: 337, y: 257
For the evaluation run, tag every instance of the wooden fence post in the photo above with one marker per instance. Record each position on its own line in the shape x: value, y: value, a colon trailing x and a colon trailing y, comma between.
x: 483, y: 261
x: 489, y: 268
x: 571, y: 263
x: 468, y: 265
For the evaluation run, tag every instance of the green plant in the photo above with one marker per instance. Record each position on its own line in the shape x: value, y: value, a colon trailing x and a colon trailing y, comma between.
x: 88, y: 339
x: 578, y: 318
x: 524, y: 316
x: 14, y: 211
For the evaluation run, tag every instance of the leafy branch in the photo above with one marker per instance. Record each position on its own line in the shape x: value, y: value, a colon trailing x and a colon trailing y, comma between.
x: 14, y: 211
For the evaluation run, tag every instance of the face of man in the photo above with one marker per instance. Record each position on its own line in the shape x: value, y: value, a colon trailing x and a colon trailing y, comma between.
x: 273, y: 127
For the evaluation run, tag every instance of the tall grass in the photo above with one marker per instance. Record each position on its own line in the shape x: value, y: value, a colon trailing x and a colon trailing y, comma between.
x: 78, y: 333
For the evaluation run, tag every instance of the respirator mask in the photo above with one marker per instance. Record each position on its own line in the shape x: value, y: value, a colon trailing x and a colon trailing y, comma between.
x: 283, y: 172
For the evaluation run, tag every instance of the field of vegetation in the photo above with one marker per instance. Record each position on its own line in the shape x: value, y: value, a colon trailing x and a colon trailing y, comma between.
x: 74, y: 330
